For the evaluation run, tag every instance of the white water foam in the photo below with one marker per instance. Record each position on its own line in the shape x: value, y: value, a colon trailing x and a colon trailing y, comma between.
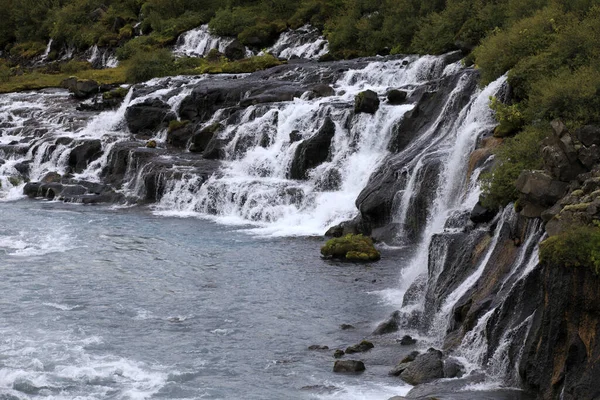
x: 304, y: 42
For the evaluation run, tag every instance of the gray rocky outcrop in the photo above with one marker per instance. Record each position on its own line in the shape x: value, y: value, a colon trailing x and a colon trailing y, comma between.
x: 312, y: 152
x: 149, y: 116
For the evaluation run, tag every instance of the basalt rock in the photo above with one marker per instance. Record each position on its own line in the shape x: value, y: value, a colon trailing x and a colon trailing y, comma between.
x: 360, y: 348
x: 313, y: 151
x: 391, y: 325
x: 481, y: 215
x: 589, y: 135
x: 203, y: 137
x: 81, y: 88
x: 366, y: 102
x: 179, y: 135
x: 561, y: 354
x: 235, y: 51
x: 539, y: 191
x: 396, y: 96
x: 82, y: 155
x: 148, y: 116
x: 425, y: 368
x: 349, y: 366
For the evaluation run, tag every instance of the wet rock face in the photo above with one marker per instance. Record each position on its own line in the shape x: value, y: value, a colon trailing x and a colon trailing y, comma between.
x: 539, y: 190
x: 425, y: 368
x: 396, y: 97
x: 391, y: 325
x: 313, y: 151
x: 235, y: 51
x: 148, y: 116
x: 82, y: 155
x: 562, y: 352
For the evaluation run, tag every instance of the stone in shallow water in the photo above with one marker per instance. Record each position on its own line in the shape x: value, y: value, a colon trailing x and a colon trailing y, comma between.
x: 388, y: 326
x: 426, y: 368
x: 348, y: 366
x: 360, y: 348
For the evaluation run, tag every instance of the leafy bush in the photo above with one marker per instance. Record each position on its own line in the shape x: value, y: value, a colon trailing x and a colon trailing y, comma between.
x: 510, y: 118
x: 5, y: 72
x: 578, y: 247
x: 351, y: 248
x: 147, y: 65
x: 231, y: 22
x: 519, y: 153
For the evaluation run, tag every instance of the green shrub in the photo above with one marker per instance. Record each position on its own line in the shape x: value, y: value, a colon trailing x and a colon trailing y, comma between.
x: 571, y: 96
x: 142, y: 44
x: 262, y: 34
x: 578, y: 247
x: 28, y: 49
x: 231, y: 22
x: 517, y: 154
x: 147, y: 65
x: 510, y: 118
x: 351, y: 248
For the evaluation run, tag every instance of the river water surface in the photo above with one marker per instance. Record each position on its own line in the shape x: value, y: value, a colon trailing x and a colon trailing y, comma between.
x: 101, y: 303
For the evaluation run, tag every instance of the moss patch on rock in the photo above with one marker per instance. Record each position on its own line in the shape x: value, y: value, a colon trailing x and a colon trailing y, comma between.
x: 357, y: 248
x: 578, y: 247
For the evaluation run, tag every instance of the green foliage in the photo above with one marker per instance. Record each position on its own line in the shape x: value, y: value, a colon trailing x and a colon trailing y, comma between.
x: 510, y: 118
x: 519, y: 153
x: 28, y: 49
x: 175, y: 124
x: 231, y: 22
x: 147, y: 65
x: 576, y: 248
x: 351, y: 248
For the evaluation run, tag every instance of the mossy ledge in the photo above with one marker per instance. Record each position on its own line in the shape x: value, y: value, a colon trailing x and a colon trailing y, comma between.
x: 354, y: 248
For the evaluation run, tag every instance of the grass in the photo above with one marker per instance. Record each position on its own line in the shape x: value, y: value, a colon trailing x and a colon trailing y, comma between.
x: 35, y: 80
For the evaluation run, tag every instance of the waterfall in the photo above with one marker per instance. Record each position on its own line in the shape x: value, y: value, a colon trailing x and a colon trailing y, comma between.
x: 254, y: 186
x: 304, y: 42
x: 452, y: 149
x: 199, y: 42
x: 101, y: 58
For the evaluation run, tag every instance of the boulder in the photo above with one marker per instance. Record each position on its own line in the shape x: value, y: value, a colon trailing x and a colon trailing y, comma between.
x: 348, y: 366
x: 295, y: 136
x: 321, y: 90
x: 203, y: 137
x: 589, y: 156
x: 425, y: 368
x: 338, y: 353
x: 403, y: 364
x: 32, y: 189
x: 318, y: 347
x: 346, y: 327
x: 179, y: 133
x: 81, y: 88
x: 51, y: 177
x: 560, y: 159
x: 366, y: 102
x: 396, y: 97
x: 149, y: 116
x: 235, y: 50
x: 407, y: 341
x: 82, y: 155
x: 589, y: 135
x: 539, y: 189
x: 388, y: 326
x: 453, y: 368
x: 215, y: 149
x: 482, y: 215
x: 363, y: 346
x: 313, y: 151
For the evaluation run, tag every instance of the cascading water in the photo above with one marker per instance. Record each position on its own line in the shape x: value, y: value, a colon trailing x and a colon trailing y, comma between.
x: 199, y: 42
x: 304, y: 42
x: 101, y: 58
x: 254, y: 187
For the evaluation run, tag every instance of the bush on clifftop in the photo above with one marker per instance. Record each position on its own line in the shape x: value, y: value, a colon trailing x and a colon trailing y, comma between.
x: 579, y: 247
x: 351, y: 248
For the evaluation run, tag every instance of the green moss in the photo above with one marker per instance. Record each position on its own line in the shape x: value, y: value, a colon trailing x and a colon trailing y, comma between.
x: 351, y: 248
x: 175, y: 124
x: 28, y: 50
x: 151, y: 144
x: 118, y: 93
x: 578, y: 247
x: 15, y: 181
x: 577, y: 207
